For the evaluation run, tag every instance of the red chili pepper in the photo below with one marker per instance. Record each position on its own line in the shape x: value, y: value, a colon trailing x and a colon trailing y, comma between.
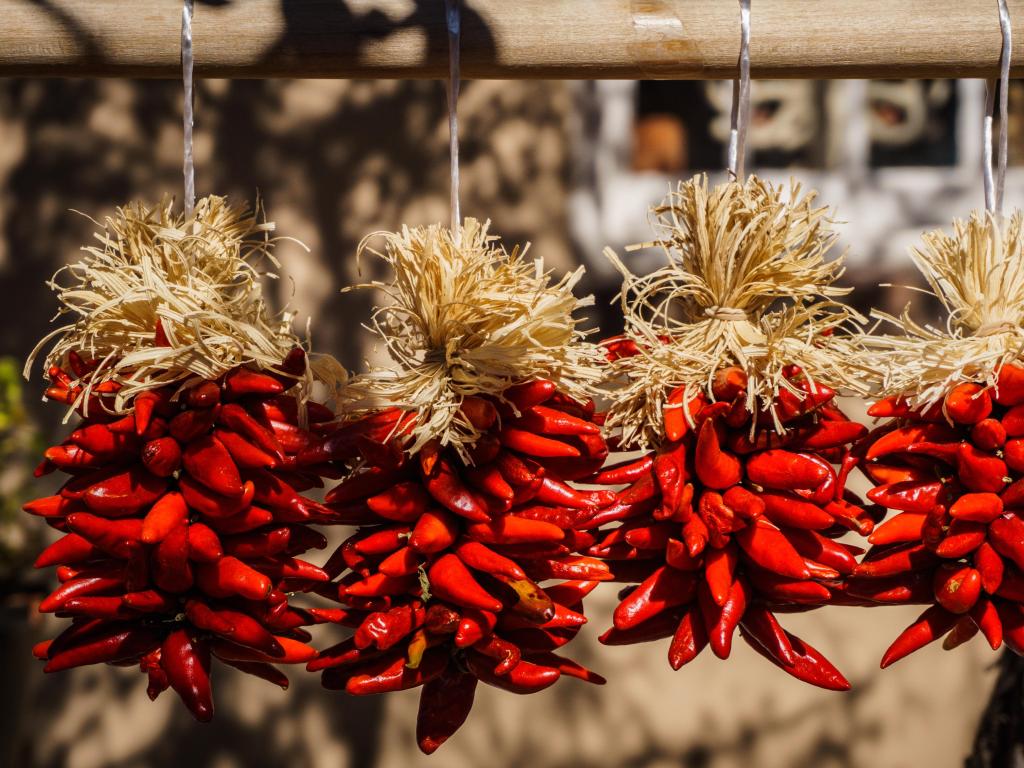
x: 977, y: 507
x: 719, y: 520
x: 1011, y: 615
x: 236, y: 419
x: 450, y: 580
x: 1009, y: 390
x: 901, y: 439
x: 165, y: 515
x: 481, y: 558
x: 985, y: 615
x: 894, y: 560
x: 980, y: 472
x: 536, y: 445
x: 695, y: 536
x: 510, y: 529
x: 808, y: 665
x: 769, y: 548
x: 650, y: 536
x: 80, y: 587
x: 212, y: 505
x: 525, y: 677
x: 763, y: 627
x: 888, y: 474
x: 444, y: 485
x: 568, y: 567
x: 188, y: 425
x: 957, y: 588
x: 967, y: 403
x: 549, y: 421
x: 1013, y: 454
x: 719, y: 571
x: 991, y: 567
x: 904, y: 527
x: 812, y: 545
x: 788, y: 510
x: 675, y: 413
x: 445, y: 703
x: 402, y: 562
x: 208, y: 461
x: 162, y: 456
x: 785, y: 470
x: 529, y: 394
x: 245, y: 454
x: 784, y: 589
x: 120, y: 538
x: 230, y: 576
x: 989, y: 434
x: 100, y: 643
x: 171, y: 569
x: 827, y: 434
x: 204, y: 545
x: 101, y: 440
x: 187, y: 664
x: 294, y: 651
x: 930, y: 626
x: 242, y: 381
x: 677, y: 556
x: 689, y: 639
x: 663, y: 589
x: 625, y: 472
x: 68, y: 549
x: 914, y: 497
x: 1006, y: 535
x: 721, y: 621
x: 125, y: 493
x: 744, y: 503
x: 715, y: 468
x: 661, y: 626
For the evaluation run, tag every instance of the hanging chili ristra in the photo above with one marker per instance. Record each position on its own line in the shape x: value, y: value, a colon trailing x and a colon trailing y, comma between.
x: 735, y: 509
x: 183, y: 517
x: 947, y: 459
x: 464, y: 567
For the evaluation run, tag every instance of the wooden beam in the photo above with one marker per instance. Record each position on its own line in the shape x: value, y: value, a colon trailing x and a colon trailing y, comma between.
x: 582, y: 39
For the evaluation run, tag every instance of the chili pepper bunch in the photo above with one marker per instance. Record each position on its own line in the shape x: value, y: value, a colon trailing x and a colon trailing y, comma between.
x: 732, y: 512
x: 462, y: 568
x: 182, y: 520
x: 949, y: 459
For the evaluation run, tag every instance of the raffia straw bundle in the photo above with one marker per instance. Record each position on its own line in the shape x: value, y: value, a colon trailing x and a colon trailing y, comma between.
x: 198, y: 277
x: 977, y: 273
x: 466, y: 317
x: 747, y: 284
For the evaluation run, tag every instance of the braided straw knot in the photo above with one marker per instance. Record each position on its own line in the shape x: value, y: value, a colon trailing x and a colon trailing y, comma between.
x: 728, y: 314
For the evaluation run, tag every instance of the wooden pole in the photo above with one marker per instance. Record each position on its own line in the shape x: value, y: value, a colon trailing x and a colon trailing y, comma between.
x: 686, y: 39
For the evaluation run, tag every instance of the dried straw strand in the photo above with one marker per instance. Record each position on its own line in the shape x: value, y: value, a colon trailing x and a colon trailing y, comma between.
x: 746, y: 284
x: 466, y: 317
x: 199, y: 277
x: 977, y: 274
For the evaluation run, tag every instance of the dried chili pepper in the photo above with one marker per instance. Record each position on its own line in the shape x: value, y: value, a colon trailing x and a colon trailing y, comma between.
x: 171, y: 519
x: 476, y: 550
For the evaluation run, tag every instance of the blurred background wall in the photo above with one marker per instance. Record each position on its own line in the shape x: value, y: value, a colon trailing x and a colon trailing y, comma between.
x: 570, y: 167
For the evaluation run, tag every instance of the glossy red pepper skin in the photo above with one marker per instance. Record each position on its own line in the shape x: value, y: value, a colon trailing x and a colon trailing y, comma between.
x: 973, y: 527
x: 473, y: 544
x: 170, y: 551
x: 728, y: 502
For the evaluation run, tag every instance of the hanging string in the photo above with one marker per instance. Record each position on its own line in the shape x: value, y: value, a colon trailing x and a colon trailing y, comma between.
x: 994, y: 188
x: 740, y: 117
x: 189, y: 167
x: 454, y: 23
